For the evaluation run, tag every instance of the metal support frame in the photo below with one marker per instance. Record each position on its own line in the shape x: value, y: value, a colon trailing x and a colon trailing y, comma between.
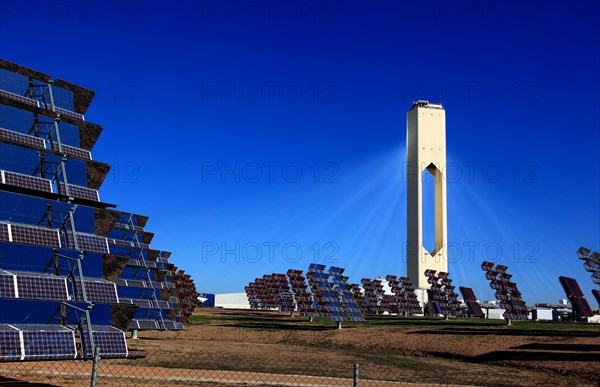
x: 68, y: 222
x: 142, y: 261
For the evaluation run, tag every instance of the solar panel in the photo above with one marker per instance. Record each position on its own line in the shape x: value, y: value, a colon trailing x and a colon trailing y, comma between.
x: 72, y: 151
x: 19, y: 98
x: 596, y: 294
x: 49, y: 345
x: 131, y: 283
x: 142, y: 303
x: 97, y: 291
x: 68, y: 113
x: 89, y: 242
x: 77, y: 191
x: 31, y: 235
x: 579, y: 303
x: 121, y: 243
x: 143, y: 324
x: 8, y: 136
x: 4, y: 233
x: 7, y: 285
x: 172, y: 325
x: 39, y: 342
x: 10, y: 343
x: 26, y: 181
x: 507, y: 294
x: 33, y: 287
x: 110, y: 341
x: 472, y: 305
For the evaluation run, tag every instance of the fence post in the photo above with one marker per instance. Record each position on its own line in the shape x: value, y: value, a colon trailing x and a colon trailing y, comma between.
x: 356, y: 375
x: 95, y: 364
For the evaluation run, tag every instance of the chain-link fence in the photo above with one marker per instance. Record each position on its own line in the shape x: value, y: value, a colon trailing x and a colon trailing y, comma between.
x: 227, y: 356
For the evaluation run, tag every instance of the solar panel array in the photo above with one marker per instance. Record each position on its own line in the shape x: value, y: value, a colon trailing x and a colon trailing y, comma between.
x: 165, y: 293
x: 578, y: 301
x: 44, y: 185
x: 471, y: 301
x: 404, y: 292
x: 358, y: 296
x: 32, y: 282
x: 272, y: 291
x: 285, y: 297
x: 185, y: 294
x: 304, y: 300
x: 374, y: 299
x: 591, y: 262
x: 342, y: 306
x: 253, y: 295
x: 319, y: 286
x: 507, y: 294
x: 441, y: 294
x: 39, y: 144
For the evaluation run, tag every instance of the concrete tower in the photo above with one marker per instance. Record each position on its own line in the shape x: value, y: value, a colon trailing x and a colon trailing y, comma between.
x: 425, y: 150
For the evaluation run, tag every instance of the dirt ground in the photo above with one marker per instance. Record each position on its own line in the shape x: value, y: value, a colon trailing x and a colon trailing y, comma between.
x: 228, y: 347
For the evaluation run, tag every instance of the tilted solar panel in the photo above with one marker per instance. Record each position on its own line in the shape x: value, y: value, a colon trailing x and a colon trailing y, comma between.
x: 97, y: 291
x: 72, y: 151
x: 77, y: 191
x: 110, y: 341
x: 596, y: 294
x: 575, y: 295
x: 26, y: 181
x: 4, y: 233
x: 48, y: 345
x: 19, y: 98
x: 33, y: 287
x: 46, y: 342
x: 88, y: 242
x: 471, y: 301
x: 68, y: 113
x: 143, y: 325
x: 7, y: 285
x: 10, y: 343
x: 32, y: 235
x: 8, y: 136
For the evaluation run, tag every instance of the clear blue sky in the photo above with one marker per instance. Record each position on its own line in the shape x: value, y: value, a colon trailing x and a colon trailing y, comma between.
x: 304, y: 105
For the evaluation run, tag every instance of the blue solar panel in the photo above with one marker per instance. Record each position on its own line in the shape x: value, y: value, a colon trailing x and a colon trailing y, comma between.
x: 46, y: 342
x: 110, y: 341
x: 97, y: 291
x: 10, y: 343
